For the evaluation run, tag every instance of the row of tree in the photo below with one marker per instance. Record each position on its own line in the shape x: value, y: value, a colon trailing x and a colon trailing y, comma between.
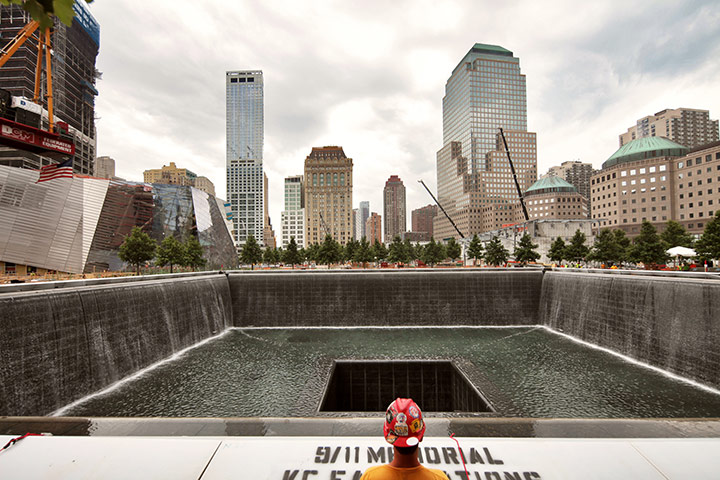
x: 138, y: 249
x: 649, y: 247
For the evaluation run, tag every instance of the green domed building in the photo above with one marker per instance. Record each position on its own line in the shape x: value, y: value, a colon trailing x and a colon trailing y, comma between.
x: 552, y: 197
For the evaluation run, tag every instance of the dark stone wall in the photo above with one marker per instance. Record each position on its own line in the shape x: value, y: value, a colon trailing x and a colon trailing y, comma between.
x: 57, y: 346
x: 670, y: 323
x: 382, y: 298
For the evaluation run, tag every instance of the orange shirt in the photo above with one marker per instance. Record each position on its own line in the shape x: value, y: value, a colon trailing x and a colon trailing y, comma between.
x: 386, y: 472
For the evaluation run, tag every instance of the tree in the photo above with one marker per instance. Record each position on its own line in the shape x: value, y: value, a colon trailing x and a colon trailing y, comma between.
x: 43, y: 10
x: 623, y: 244
x: 193, y: 253
x: 330, y: 251
x: 675, y: 235
x: 495, y: 253
x: 453, y: 249
x: 525, y: 250
x: 170, y: 252
x: 363, y: 253
x: 409, y: 250
x: 271, y: 255
x: 576, y: 250
x: 433, y: 252
x: 251, y: 252
x: 311, y: 252
x: 397, y: 252
x: 291, y: 254
x: 349, y: 250
x: 557, y: 250
x: 137, y: 248
x: 475, y: 250
x: 379, y: 251
x: 606, y: 248
x: 708, y: 247
x: 647, y: 247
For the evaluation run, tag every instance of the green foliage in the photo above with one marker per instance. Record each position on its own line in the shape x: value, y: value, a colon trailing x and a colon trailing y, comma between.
x: 349, y: 250
x: 170, y: 252
x: 379, y: 251
x: 330, y: 251
x: 525, y: 250
x: 623, y: 242
x: 311, y: 252
x: 137, y: 248
x: 453, y: 250
x: 433, y: 252
x: 193, y: 253
x: 607, y: 248
x: 291, y: 254
x: 363, y: 253
x: 495, y: 253
x: 397, y: 251
x: 251, y: 252
x: 647, y: 247
x: 557, y: 250
x: 271, y: 255
x: 409, y: 250
x: 576, y: 250
x: 708, y: 247
x: 675, y: 235
x: 44, y: 10
x: 475, y: 250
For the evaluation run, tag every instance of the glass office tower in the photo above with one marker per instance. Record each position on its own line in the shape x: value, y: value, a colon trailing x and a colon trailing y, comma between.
x: 485, y: 92
x: 244, y: 153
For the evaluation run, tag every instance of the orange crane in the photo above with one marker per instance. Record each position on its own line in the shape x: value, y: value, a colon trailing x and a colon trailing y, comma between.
x: 25, y: 137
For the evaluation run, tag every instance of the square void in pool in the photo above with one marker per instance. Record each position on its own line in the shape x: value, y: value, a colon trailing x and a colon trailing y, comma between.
x: 370, y: 386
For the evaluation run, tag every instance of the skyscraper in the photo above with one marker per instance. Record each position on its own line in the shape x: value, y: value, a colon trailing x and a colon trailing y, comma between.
x: 394, y: 208
x: 422, y: 221
x: 293, y: 217
x: 328, y: 195
x: 75, y: 49
x: 244, y: 154
x: 687, y: 126
x: 361, y: 220
x: 485, y: 92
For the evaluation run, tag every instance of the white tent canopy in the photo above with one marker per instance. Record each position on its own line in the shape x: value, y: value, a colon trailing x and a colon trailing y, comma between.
x: 681, y: 252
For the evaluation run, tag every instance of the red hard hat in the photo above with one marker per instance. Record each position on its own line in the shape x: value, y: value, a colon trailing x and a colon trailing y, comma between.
x: 404, y: 425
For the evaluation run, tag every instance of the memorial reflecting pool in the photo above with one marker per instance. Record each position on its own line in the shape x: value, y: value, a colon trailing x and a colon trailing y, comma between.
x: 530, y: 372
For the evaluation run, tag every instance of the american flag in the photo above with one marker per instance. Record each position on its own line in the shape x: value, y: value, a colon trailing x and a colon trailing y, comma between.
x: 57, y: 170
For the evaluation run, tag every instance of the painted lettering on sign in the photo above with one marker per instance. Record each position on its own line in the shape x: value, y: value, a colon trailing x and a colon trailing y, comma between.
x: 18, y: 134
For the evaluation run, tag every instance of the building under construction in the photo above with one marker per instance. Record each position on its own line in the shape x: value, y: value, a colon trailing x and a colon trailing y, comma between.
x: 75, y: 49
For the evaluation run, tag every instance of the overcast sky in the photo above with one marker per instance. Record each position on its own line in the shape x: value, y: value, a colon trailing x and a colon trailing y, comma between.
x: 370, y: 76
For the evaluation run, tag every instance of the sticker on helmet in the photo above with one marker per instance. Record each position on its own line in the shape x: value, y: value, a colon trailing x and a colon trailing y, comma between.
x: 401, y: 429
x: 391, y: 438
x: 416, y: 425
x: 389, y: 416
x: 412, y: 441
x: 401, y: 417
x: 413, y: 411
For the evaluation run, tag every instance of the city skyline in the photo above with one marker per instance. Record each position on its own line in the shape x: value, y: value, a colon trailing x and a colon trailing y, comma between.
x: 377, y: 90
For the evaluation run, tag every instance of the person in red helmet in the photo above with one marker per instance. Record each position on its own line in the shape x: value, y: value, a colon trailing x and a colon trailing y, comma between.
x: 404, y: 429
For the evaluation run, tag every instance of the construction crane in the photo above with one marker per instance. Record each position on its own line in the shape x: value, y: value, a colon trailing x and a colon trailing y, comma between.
x: 517, y: 184
x: 443, y: 210
x: 26, y: 137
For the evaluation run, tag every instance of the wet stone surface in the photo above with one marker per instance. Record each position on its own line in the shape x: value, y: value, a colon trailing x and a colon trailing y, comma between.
x: 526, y: 372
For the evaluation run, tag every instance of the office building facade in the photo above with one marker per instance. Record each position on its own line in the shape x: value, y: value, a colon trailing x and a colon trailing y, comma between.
x: 394, y: 208
x: 293, y: 216
x: 691, y: 128
x: 422, y: 222
x: 363, y: 212
x: 655, y: 179
x: 328, y: 195
x: 244, y: 152
x: 373, y: 228
x: 75, y: 49
x: 104, y: 167
x: 485, y: 92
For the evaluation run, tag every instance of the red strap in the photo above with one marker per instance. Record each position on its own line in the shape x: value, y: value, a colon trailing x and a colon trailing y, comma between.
x: 17, y: 439
x: 462, y: 457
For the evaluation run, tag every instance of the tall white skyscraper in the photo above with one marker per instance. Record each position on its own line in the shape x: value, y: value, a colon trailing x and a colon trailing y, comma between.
x: 293, y: 217
x: 244, y: 155
x: 360, y: 220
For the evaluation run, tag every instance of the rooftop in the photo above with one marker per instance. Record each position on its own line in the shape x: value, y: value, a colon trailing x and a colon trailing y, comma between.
x: 645, y: 147
x: 551, y: 183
